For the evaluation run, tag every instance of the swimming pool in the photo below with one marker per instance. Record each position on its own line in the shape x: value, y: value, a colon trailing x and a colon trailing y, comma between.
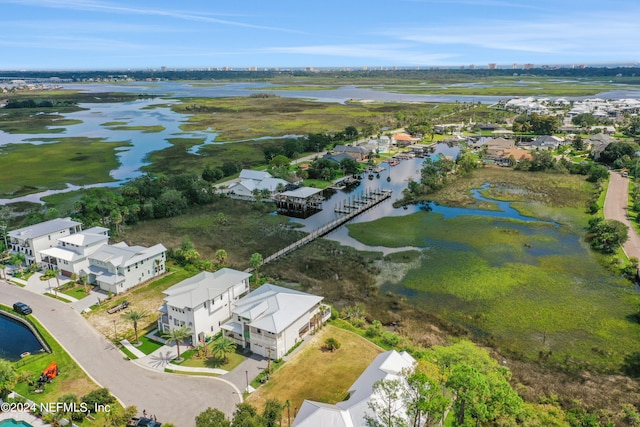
x: 13, y: 423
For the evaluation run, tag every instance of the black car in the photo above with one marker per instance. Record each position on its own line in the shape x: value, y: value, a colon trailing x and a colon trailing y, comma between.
x: 22, y: 308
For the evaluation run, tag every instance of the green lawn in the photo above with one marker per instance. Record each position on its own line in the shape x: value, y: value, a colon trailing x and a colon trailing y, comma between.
x: 192, y: 360
x: 148, y: 345
x: 316, y: 374
x: 76, y: 292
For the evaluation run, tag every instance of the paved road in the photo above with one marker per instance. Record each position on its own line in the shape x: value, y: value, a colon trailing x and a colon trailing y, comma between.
x: 172, y: 398
x: 615, y: 207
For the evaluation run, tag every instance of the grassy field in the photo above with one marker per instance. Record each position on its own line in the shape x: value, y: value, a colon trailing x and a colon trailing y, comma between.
x: 144, y: 298
x: 534, y: 290
x: 247, y: 231
x: 34, y: 168
x: 316, y: 374
x: 72, y: 378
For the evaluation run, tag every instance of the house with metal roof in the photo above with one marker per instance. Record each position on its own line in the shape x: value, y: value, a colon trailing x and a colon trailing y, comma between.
x: 354, y: 411
x: 33, y: 239
x: 272, y: 319
x: 118, y: 268
x: 251, y: 181
x: 203, y: 302
x: 71, y: 254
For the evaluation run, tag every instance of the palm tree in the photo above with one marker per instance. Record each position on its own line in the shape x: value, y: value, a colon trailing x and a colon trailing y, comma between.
x: 18, y: 259
x: 255, y: 262
x: 223, y: 346
x: 134, y: 317
x: 178, y: 335
x: 221, y: 256
x: 48, y: 275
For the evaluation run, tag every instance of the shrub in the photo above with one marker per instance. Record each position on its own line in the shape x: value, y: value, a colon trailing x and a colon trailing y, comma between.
x: 332, y: 344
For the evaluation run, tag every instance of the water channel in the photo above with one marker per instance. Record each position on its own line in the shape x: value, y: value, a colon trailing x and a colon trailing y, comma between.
x: 154, y: 112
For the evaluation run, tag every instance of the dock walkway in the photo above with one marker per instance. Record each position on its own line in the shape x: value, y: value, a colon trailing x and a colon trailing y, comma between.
x: 369, y: 200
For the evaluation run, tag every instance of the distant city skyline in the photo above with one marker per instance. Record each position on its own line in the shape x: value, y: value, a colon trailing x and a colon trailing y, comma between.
x: 113, y: 34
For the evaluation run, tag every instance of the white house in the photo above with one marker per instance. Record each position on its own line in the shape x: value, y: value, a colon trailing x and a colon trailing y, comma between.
x: 117, y: 268
x: 352, y: 412
x: 272, y: 319
x: 71, y: 254
x: 203, y: 302
x: 251, y: 180
x: 35, y: 238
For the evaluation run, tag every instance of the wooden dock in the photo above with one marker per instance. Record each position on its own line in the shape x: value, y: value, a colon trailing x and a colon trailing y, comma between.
x: 350, y: 211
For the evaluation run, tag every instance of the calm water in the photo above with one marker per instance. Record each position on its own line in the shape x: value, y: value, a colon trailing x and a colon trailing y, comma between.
x: 400, y: 175
x: 15, y: 339
x: 14, y: 423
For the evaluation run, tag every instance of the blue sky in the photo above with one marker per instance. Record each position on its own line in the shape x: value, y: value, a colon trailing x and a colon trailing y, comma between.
x: 140, y: 34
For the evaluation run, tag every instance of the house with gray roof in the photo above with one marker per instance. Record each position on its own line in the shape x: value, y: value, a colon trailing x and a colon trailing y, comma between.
x: 251, y: 181
x: 71, y: 254
x: 272, y: 319
x: 203, y: 302
x: 118, y: 268
x: 355, y: 410
x: 358, y: 153
x: 33, y: 239
x: 598, y: 143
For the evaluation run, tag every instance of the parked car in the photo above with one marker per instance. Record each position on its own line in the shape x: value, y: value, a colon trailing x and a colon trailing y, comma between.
x: 22, y: 308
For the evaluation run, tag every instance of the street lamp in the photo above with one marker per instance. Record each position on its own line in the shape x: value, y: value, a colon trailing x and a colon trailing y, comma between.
x: 115, y: 331
x: 246, y: 373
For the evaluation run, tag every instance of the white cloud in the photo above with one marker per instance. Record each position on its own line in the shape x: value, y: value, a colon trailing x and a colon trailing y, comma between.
x: 99, y: 6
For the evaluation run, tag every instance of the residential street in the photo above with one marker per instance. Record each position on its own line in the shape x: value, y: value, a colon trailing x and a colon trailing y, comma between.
x: 170, y: 397
x: 615, y: 207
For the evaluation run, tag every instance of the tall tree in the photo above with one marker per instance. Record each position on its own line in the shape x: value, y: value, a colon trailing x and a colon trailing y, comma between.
x: 135, y: 316
x: 178, y: 335
x: 272, y: 413
x: 221, y: 257
x: 8, y: 377
x: 256, y: 262
x: 223, y: 346
x: 388, y: 405
x: 212, y: 418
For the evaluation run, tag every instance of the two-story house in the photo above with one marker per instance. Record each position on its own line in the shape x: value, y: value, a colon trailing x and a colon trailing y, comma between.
x: 118, y: 268
x: 272, y: 319
x: 203, y: 302
x: 35, y: 238
x: 71, y: 254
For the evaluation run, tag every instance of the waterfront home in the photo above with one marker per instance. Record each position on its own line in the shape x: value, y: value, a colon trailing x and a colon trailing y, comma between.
x: 33, y: 239
x: 118, y: 268
x: 202, y: 302
x: 252, y: 181
x: 272, y: 319
x: 387, y: 366
x: 358, y: 153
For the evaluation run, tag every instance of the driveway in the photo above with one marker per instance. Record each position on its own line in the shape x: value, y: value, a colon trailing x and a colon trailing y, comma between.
x: 170, y: 397
x: 615, y: 207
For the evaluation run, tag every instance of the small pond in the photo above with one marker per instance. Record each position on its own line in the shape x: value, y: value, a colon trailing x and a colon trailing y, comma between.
x: 16, y: 339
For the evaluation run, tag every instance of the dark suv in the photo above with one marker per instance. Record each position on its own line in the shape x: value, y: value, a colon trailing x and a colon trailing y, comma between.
x: 22, y: 308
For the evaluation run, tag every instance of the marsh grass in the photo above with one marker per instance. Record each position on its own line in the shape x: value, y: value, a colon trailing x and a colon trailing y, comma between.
x: 530, y: 289
x: 76, y: 160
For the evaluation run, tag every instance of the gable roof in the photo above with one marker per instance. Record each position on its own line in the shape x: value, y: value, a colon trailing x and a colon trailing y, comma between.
x: 84, y: 238
x: 255, y: 175
x: 274, y: 308
x: 351, y: 412
x: 123, y: 255
x: 204, y: 286
x: 43, y: 228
